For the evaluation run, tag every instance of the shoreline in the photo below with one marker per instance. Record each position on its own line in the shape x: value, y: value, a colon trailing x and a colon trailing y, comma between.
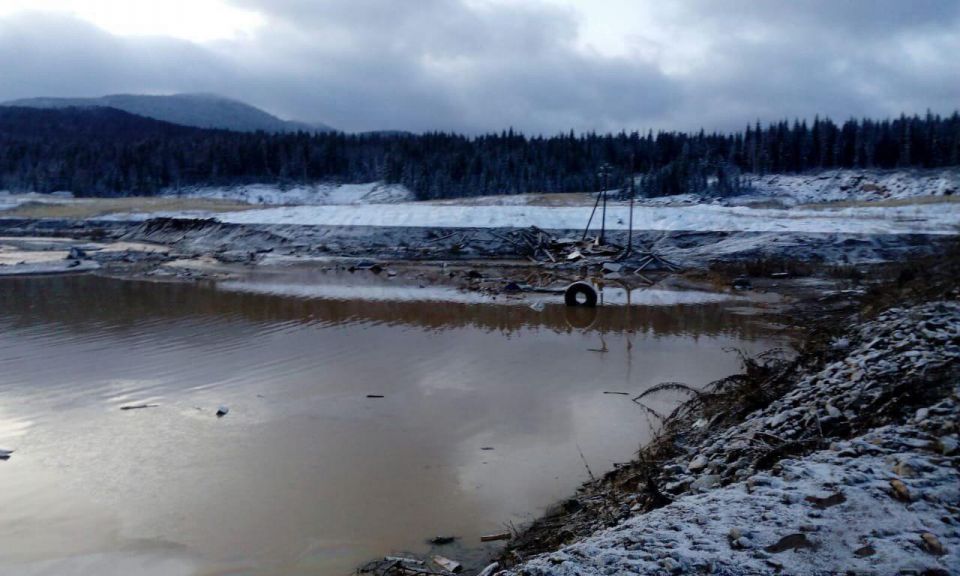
x: 723, y: 451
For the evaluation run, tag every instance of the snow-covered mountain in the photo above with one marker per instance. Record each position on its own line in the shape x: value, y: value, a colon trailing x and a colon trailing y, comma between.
x: 199, y: 110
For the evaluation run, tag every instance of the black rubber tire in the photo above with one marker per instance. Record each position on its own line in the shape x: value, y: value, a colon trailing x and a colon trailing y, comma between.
x: 570, y: 295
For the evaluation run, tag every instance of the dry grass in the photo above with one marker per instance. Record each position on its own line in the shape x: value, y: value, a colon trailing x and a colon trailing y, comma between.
x: 546, y: 199
x: 98, y: 207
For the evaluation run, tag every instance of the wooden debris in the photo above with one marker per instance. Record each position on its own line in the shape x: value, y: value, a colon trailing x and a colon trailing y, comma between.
x: 496, y: 537
x: 404, y: 560
x: 447, y: 564
x: 139, y: 406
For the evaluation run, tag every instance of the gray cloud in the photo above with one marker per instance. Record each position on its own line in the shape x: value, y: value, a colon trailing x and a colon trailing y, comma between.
x: 469, y: 66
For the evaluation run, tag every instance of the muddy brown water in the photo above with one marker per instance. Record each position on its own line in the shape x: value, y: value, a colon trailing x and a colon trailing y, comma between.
x: 486, y: 407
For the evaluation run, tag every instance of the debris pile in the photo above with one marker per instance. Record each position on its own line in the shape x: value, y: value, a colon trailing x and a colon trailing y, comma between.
x: 406, y: 566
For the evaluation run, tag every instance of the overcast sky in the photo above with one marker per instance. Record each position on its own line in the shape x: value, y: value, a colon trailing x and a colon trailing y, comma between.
x: 541, y: 66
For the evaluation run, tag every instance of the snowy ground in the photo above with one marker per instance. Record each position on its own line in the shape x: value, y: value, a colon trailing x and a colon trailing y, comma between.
x: 922, y: 218
x: 919, y: 202
x: 826, y: 513
x: 382, y: 205
x: 883, y: 502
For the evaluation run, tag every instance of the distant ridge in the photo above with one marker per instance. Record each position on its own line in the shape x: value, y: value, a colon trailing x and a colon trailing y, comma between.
x: 197, y: 110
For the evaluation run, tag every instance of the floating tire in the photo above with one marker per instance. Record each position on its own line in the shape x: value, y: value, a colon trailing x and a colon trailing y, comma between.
x: 572, y: 295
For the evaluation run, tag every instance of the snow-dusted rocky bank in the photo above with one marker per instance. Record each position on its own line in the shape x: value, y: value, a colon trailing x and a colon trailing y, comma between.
x: 883, y: 501
x: 788, y: 189
x: 855, y: 185
x: 301, y: 194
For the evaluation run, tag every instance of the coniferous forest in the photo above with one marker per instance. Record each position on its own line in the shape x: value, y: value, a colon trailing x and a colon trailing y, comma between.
x: 106, y: 152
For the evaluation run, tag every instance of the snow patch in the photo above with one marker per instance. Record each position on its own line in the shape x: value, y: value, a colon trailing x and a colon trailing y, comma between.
x: 925, y: 218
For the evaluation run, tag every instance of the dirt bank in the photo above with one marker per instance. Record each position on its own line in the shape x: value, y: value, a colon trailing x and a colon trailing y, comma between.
x: 252, y: 244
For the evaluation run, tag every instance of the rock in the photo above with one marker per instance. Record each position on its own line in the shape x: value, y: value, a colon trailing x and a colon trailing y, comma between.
x: 705, y: 482
x: 698, y: 463
x: 833, y: 411
x: 779, y: 419
x: 900, y: 490
x: 671, y: 565
x: 741, y: 283
x: 947, y: 445
x: 679, y: 486
x: 791, y: 542
x: 840, y: 344
x: 932, y: 544
x: 904, y: 470
x: 865, y: 551
x: 5, y: 454
x: 222, y: 411
x: 734, y: 534
x: 77, y: 253
x: 822, y: 503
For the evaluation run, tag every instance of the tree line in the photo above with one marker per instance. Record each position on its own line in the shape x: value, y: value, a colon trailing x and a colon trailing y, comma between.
x: 106, y: 152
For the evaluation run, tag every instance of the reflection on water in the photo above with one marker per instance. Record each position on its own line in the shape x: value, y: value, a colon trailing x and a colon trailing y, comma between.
x: 306, y: 475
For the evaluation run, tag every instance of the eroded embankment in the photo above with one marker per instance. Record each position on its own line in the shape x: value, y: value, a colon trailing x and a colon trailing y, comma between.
x: 843, y: 459
x: 250, y: 243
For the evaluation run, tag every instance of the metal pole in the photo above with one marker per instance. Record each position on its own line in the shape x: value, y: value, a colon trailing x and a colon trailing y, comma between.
x: 603, y: 218
x: 594, y: 211
x: 633, y: 193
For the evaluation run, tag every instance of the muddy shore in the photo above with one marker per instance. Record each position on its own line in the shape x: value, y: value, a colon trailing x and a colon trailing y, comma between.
x: 253, y: 242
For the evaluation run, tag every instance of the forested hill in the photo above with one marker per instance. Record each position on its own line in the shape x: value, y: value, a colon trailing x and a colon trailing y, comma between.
x: 106, y: 152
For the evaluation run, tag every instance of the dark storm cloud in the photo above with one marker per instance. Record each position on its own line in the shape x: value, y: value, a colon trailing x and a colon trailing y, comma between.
x: 49, y: 55
x: 472, y: 66
x: 801, y: 58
